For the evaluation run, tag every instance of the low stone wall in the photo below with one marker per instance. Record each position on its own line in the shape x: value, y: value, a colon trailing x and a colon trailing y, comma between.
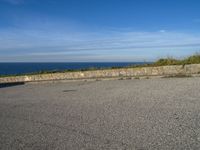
x: 111, y: 73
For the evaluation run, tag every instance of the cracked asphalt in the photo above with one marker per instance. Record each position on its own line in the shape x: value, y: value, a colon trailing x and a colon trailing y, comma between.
x: 118, y: 114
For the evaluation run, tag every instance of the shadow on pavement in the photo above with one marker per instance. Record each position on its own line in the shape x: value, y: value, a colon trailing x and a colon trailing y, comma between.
x: 5, y: 85
x: 69, y: 90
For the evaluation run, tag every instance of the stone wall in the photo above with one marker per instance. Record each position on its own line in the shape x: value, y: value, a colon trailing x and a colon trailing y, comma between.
x: 111, y: 73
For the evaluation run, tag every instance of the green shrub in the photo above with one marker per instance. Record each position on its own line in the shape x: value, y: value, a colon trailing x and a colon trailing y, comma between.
x: 167, y: 61
x: 194, y: 59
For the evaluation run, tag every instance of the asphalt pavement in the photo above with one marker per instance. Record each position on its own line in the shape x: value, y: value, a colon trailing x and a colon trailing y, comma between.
x: 118, y: 114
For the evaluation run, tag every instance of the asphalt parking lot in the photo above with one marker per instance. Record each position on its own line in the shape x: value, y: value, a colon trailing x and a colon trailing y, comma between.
x: 119, y: 114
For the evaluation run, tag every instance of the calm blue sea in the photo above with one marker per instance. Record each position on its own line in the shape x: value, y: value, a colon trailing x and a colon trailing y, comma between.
x: 22, y: 68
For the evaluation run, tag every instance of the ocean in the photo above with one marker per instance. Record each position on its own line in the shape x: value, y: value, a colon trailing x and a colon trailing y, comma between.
x: 25, y: 68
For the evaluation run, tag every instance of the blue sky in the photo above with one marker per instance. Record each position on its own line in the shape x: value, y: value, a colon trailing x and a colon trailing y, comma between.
x: 98, y: 30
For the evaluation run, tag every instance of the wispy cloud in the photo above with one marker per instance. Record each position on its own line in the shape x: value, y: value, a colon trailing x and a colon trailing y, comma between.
x: 162, y: 31
x: 55, y: 43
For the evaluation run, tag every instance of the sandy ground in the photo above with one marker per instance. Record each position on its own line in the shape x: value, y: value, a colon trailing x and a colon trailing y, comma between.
x: 121, y: 114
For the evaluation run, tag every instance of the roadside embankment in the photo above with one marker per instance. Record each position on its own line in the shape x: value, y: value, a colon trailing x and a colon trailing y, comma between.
x: 173, y: 70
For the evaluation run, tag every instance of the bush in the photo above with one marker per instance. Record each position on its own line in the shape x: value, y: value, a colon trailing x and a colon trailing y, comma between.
x: 194, y: 59
x: 167, y: 61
